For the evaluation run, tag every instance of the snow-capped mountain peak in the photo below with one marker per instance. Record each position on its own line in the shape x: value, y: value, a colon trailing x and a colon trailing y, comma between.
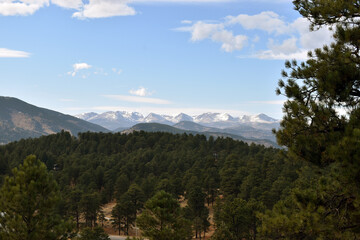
x: 265, y: 118
x: 183, y: 117
x: 153, y: 117
x: 222, y: 117
x: 113, y: 120
x: 205, y: 117
x: 86, y: 116
x: 213, y: 117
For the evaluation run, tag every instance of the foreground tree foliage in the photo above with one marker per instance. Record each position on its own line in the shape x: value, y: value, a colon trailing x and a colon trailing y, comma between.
x: 236, y: 219
x: 97, y: 233
x: 163, y: 219
x: 196, y: 211
x: 28, y: 201
x: 325, y: 202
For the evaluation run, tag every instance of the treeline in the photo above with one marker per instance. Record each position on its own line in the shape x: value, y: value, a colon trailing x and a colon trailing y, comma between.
x: 96, y: 168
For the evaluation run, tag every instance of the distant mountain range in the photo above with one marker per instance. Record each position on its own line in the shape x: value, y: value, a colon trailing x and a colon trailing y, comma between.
x: 19, y: 120
x: 123, y: 119
x: 250, y: 127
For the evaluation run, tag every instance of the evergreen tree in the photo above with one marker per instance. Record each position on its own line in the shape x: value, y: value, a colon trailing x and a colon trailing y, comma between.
x: 236, y: 219
x: 90, y: 207
x: 198, y: 213
x: 325, y: 206
x: 73, y: 205
x: 117, y: 215
x: 93, y: 234
x: 28, y: 203
x: 162, y: 219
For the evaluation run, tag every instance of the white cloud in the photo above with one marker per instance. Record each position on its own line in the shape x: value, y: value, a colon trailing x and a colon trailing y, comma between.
x: 287, y: 50
x: 288, y: 46
x: 201, y: 30
x: 301, y: 54
x: 311, y: 39
x: 142, y: 92
x: 77, y: 67
x: 266, y: 21
x: 80, y: 66
x: 96, y: 8
x: 138, y: 99
x: 296, y: 37
x: 216, y: 32
x: 72, y: 4
x: 229, y: 41
x: 86, y: 9
x: 297, y: 47
x: 105, y: 8
x: 21, y: 7
x: 8, y: 53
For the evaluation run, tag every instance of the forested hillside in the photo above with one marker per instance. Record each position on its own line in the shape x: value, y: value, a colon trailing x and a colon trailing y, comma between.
x: 97, y: 168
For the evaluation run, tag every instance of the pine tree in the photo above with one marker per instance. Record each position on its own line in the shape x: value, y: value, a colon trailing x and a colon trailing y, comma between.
x: 321, y: 126
x: 162, y: 219
x: 28, y: 201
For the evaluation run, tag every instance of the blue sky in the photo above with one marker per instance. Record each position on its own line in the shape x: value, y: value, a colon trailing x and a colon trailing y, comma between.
x: 164, y: 56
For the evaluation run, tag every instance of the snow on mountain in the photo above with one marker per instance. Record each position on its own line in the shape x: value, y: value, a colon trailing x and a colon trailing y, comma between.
x: 113, y: 120
x: 264, y: 118
x: 183, y: 117
x: 86, y: 116
x: 156, y: 118
x: 214, y: 117
x: 206, y: 117
x: 260, y: 118
x: 133, y: 116
x: 223, y: 117
x: 123, y: 119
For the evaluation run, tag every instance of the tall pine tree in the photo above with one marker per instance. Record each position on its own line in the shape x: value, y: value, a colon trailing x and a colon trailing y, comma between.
x: 28, y: 202
x: 321, y: 126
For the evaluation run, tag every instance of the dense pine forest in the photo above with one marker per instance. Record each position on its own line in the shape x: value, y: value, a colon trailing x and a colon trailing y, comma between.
x: 97, y: 168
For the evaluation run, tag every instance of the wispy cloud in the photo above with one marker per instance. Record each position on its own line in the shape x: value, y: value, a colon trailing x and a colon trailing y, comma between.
x: 138, y: 99
x: 77, y: 67
x: 142, y: 92
x: 186, y: 22
x: 8, y: 53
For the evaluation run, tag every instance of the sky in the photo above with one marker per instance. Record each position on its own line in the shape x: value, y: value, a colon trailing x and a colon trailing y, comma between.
x: 162, y: 56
